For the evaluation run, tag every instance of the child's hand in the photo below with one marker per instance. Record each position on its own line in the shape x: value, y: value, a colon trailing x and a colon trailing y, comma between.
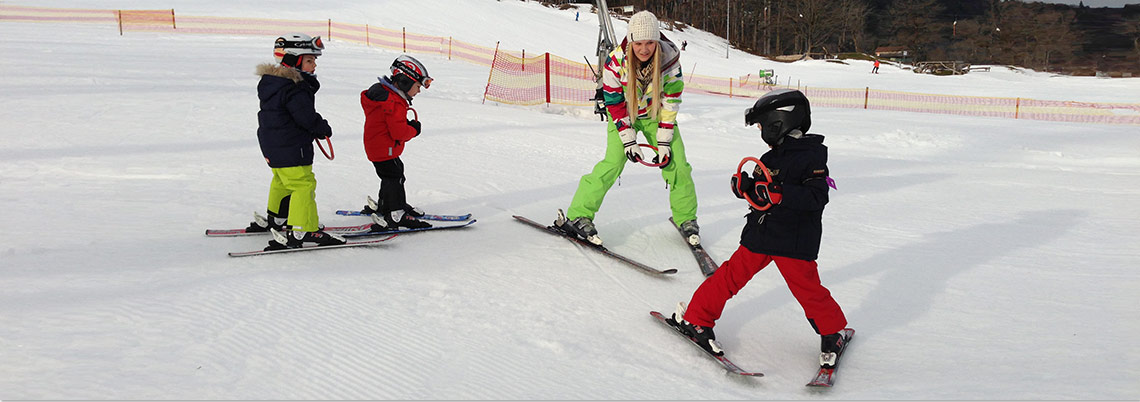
x: 771, y: 193
x: 742, y: 184
x: 415, y: 124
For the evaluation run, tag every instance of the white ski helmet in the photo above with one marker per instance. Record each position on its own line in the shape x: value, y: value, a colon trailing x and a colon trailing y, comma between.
x: 411, y: 68
x: 289, y: 48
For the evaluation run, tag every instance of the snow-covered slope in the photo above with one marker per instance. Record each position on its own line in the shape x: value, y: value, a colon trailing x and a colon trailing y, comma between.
x: 978, y: 258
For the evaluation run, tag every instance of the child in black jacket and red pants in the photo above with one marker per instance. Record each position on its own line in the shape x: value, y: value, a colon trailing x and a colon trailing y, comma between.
x: 784, y: 226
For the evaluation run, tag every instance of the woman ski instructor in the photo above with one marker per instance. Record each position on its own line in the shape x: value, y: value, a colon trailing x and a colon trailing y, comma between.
x: 641, y: 84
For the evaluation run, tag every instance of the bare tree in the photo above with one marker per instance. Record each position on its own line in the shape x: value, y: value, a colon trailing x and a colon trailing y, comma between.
x: 1131, y: 27
x: 914, y: 23
x: 813, y: 22
x: 852, y: 22
x: 1053, y: 36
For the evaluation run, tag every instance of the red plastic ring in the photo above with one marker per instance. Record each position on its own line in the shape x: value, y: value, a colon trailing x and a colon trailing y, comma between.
x: 767, y: 178
x: 643, y: 162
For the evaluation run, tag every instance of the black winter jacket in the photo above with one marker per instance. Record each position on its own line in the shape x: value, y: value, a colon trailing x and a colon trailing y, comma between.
x: 793, y: 227
x: 288, y: 121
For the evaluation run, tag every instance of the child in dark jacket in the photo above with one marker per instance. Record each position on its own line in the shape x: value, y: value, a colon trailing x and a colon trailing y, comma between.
x: 784, y: 226
x: 386, y: 130
x: 287, y: 125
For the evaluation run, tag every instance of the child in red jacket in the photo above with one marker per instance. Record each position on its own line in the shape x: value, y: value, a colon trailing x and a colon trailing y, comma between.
x: 386, y: 130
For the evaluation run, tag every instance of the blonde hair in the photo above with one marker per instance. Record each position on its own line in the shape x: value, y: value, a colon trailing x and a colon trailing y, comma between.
x: 633, y: 67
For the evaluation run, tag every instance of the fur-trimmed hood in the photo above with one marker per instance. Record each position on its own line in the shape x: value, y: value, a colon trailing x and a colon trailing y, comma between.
x: 278, y: 70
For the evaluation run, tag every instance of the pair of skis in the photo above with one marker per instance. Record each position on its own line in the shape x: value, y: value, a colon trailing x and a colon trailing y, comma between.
x: 706, y: 263
x: 825, y: 377
x: 364, y: 230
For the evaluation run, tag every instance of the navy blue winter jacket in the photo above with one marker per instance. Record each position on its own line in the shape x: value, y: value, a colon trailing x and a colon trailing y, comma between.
x: 793, y: 227
x: 288, y: 121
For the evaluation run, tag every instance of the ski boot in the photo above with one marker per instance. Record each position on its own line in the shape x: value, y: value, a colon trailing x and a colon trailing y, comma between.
x: 396, y: 220
x: 692, y: 232
x: 264, y: 224
x: 373, y: 207
x: 581, y: 227
x: 829, y: 349
x: 283, y: 239
x: 704, y: 336
x: 413, y: 211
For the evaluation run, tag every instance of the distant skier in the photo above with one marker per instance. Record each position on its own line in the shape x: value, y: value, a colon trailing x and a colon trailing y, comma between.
x: 287, y: 125
x: 875, y: 69
x: 684, y: 44
x: 786, y: 232
x: 387, y: 129
x: 642, y: 87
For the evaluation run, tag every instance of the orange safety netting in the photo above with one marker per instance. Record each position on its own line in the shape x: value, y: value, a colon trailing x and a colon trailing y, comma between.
x: 516, y: 79
x: 39, y: 14
x: 541, y: 79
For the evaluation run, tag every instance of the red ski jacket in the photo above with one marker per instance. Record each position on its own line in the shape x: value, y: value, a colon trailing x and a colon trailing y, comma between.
x: 386, y: 126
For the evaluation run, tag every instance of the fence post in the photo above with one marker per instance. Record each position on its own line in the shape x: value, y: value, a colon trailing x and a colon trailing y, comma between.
x: 404, y: 38
x: 866, y: 95
x: 119, y: 13
x: 449, y: 48
x: 492, y: 72
x: 330, y: 29
x: 1017, y: 109
x: 367, y: 36
x: 173, y: 21
x: 729, y: 87
x: 524, y: 60
x: 547, y: 78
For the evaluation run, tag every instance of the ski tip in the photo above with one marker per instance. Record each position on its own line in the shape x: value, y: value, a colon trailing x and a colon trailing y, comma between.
x: 669, y: 271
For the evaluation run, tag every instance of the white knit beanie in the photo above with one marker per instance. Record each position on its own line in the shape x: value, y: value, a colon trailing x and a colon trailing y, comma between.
x: 643, y: 26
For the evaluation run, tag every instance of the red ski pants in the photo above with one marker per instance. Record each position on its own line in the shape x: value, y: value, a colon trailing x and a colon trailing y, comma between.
x: 802, y: 277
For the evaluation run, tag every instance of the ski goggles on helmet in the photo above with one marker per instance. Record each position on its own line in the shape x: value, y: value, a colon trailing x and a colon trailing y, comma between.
x: 311, y: 44
x: 412, y: 69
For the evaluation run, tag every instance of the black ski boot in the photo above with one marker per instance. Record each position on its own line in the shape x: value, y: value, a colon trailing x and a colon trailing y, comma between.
x: 283, y: 239
x: 692, y: 232
x: 262, y: 224
x: 373, y: 207
x: 413, y: 211
x: 704, y: 336
x: 830, y: 346
x: 582, y: 227
x: 396, y: 220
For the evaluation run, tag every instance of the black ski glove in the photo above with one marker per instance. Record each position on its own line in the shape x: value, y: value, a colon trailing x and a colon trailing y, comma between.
x: 415, y: 124
x: 742, y: 184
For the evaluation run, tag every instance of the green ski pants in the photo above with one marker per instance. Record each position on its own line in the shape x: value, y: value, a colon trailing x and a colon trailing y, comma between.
x: 678, y: 175
x: 300, y: 185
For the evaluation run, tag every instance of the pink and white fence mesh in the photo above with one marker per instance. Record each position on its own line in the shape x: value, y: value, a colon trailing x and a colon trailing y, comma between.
x: 545, y: 78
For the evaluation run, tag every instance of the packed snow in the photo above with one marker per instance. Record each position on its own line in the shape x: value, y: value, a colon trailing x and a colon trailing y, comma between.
x: 978, y: 258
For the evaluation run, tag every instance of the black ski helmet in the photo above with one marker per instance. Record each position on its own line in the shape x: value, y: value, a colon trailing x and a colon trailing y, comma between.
x: 779, y: 112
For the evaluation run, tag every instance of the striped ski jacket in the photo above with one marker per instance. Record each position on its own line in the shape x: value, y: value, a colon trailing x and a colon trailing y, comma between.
x: 616, y: 74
